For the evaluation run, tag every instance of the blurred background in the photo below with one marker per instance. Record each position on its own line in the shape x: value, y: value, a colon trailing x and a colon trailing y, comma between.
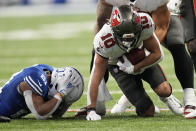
x: 44, y: 7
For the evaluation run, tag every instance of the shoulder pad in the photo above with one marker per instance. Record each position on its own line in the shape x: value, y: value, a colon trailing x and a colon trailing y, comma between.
x: 148, y: 25
x: 37, y: 80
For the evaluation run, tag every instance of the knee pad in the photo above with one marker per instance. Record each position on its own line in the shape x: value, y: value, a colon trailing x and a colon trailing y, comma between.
x: 143, y: 105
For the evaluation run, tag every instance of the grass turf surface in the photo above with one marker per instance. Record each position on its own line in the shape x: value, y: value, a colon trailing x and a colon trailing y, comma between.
x: 75, y: 50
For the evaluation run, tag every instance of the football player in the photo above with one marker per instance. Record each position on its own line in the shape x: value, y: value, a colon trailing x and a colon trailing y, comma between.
x: 188, y: 18
x: 128, y: 30
x: 174, y: 41
x: 41, y: 90
x: 161, y: 14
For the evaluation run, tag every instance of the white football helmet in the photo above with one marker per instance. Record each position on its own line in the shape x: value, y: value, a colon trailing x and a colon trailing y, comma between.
x: 74, y: 90
x: 126, y: 25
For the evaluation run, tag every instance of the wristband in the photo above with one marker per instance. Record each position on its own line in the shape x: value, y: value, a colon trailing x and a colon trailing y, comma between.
x: 58, y: 96
x: 91, y: 109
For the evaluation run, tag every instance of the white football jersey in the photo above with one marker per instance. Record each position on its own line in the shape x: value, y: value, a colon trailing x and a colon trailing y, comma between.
x: 118, y: 2
x: 174, y: 6
x: 106, y: 46
x: 142, y: 5
x: 149, y: 5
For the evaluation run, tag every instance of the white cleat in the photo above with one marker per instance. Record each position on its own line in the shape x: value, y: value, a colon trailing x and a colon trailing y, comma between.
x: 189, y: 112
x: 156, y: 109
x: 124, y: 104
x: 173, y: 104
x: 119, y: 108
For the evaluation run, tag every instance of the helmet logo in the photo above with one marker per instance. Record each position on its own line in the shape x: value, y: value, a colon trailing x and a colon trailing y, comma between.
x: 138, y: 20
x: 115, y: 18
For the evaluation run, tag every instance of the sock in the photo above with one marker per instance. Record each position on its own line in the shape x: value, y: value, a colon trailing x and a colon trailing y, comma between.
x: 189, y: 97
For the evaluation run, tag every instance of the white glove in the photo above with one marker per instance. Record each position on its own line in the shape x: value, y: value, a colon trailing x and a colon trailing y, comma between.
x: 127, y: 66
x: 93, y: 116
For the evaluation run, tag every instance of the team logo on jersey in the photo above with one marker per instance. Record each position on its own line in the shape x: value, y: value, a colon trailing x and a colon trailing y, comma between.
x: 44, y: 79
x: 39, y: 83
x: 115, y: 18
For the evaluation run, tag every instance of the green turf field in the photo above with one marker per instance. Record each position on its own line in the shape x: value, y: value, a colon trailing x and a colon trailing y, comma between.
x: 67, y: 41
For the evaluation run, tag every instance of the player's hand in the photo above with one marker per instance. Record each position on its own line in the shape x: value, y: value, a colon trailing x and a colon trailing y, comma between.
x: 93, y: 116
x: 127, y: 66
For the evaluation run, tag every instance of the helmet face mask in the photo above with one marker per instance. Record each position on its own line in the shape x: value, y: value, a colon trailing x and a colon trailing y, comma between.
x: 126, y: 26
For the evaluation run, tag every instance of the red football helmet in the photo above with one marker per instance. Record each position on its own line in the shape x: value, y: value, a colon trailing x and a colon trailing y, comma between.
x: 126, y: 25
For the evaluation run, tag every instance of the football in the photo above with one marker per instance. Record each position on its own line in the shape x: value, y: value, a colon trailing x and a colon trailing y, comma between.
x: 135, y: 56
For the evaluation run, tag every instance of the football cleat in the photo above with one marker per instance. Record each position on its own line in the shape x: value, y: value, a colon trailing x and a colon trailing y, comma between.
x: 122, y: 104
x: 4, y: 119
x: 189, y: 112
x: 156, y: 109
x: 120, y: 108
x: 81, y: 112
x: 173, y: 104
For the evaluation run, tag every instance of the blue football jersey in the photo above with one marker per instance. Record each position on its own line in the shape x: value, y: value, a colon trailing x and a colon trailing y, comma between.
x: 12, y: 102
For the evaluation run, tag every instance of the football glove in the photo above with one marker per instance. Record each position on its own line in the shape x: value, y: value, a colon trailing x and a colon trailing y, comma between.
x: 93, y: 116
x: 127, y: 66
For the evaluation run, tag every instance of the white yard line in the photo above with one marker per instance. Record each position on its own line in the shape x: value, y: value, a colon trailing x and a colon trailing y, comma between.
x: 49, y: 31
x: 108, y: 110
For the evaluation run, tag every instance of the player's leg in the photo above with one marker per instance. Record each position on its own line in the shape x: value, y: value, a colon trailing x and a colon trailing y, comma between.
x: 182, y: 61
x: 157, y: 80
x: 188, y: 18
x: 132, y: 87
x: 174, y: 42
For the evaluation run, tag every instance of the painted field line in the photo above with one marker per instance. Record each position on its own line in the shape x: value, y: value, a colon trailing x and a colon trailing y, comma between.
x: 148, y: 91
x: 108, y: 110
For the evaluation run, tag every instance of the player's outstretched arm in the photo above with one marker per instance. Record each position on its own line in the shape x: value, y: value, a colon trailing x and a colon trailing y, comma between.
x: 100, y: 66
x: 36, y: 103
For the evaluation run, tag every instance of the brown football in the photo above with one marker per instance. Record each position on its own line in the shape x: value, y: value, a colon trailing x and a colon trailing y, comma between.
x: 135, y: 56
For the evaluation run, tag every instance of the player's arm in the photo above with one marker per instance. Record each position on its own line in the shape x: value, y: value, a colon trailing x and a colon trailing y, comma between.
x: 36, y: 104
x: 153, y: 46
x: 98, y: 73
x: 161, y: 18
x: 100, y: 66
x: 103, y: 13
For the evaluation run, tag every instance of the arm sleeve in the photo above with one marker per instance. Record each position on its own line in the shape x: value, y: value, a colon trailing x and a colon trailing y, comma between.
x: 29, y: 102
